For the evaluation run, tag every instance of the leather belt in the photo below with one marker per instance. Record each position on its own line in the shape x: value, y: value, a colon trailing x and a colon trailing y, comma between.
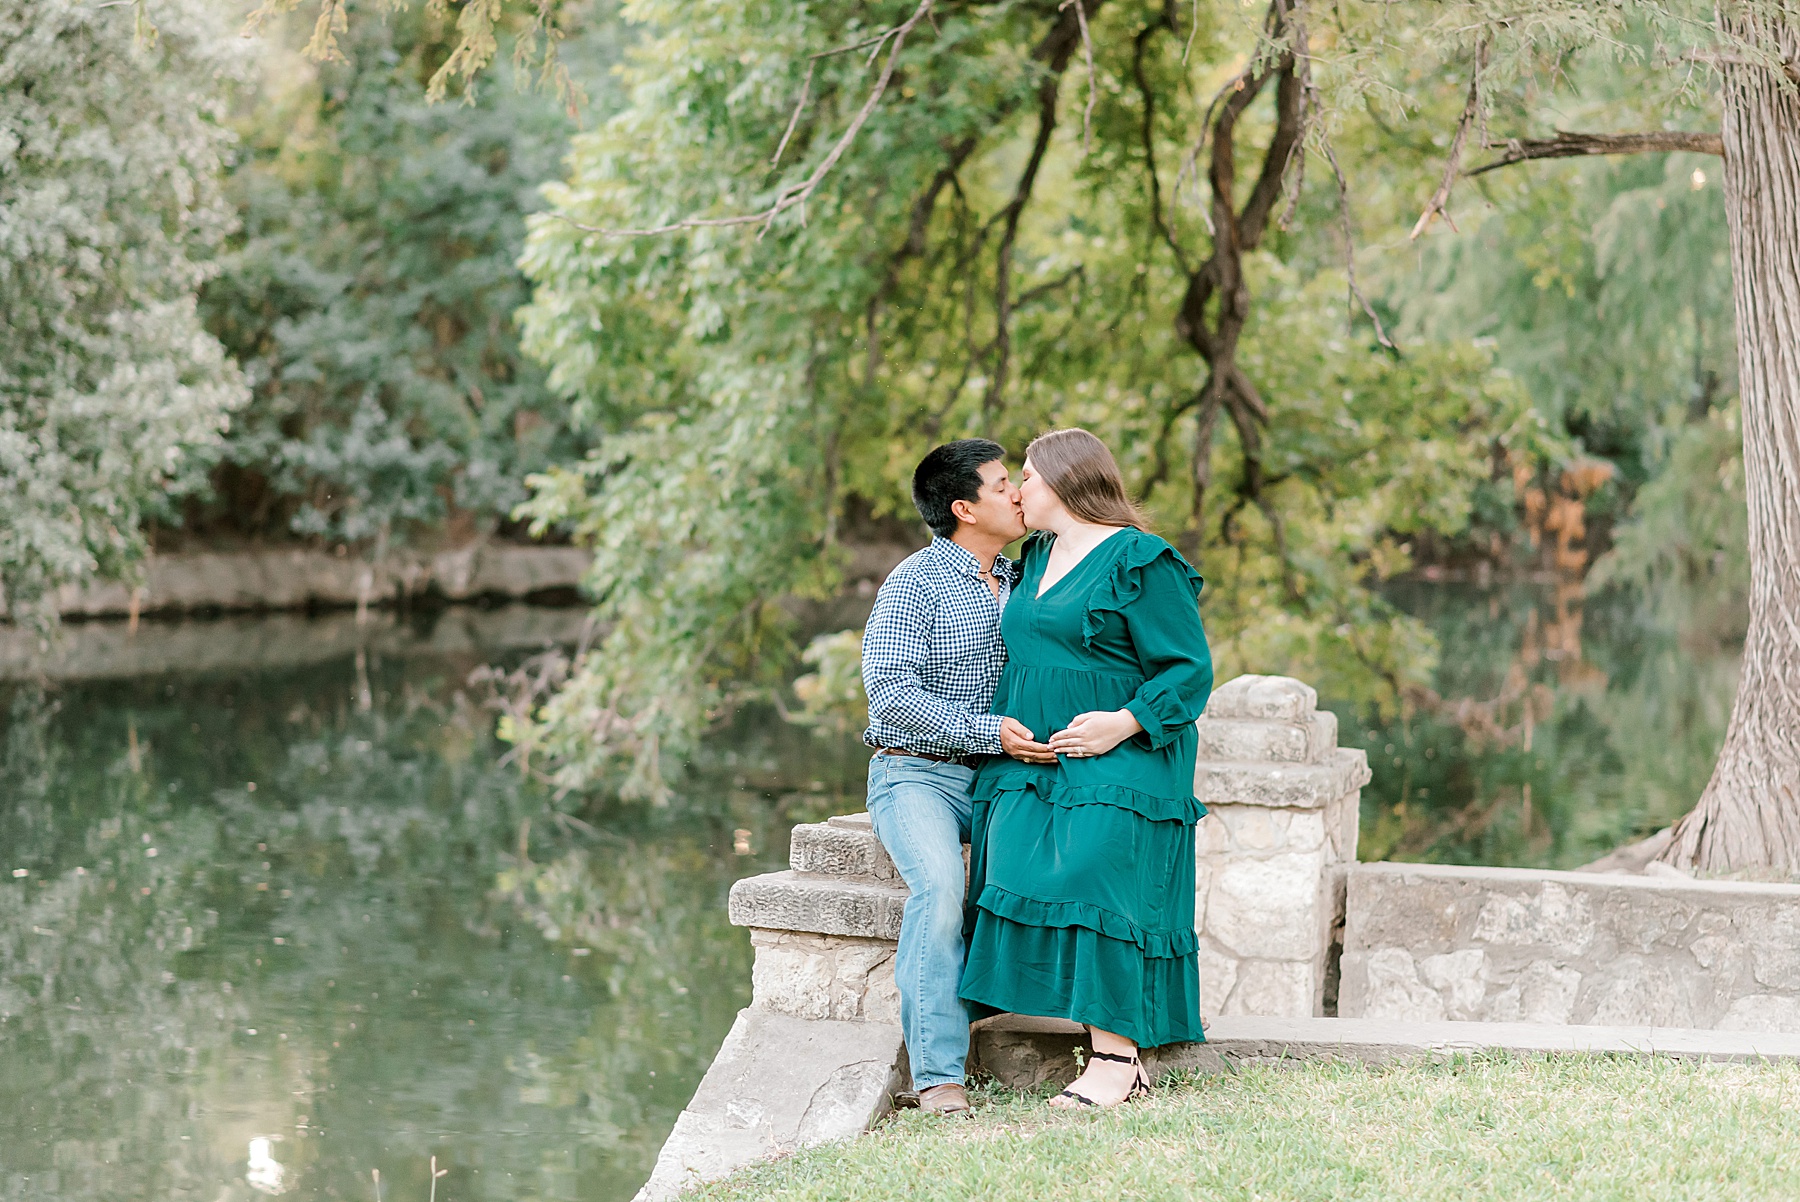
x: 960, y: 761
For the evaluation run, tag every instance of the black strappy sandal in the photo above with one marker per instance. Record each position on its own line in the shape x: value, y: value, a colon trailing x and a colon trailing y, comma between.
x: 1140, y: 1088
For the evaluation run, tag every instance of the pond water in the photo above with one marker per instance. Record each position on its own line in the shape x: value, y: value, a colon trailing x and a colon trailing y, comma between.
x: 1559, y: 729
x: 295, y: 896
x: 276, y: 913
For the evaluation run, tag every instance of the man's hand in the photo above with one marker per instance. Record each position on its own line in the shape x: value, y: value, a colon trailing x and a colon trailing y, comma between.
x: 1018, y: 743
x: 1093, y: 734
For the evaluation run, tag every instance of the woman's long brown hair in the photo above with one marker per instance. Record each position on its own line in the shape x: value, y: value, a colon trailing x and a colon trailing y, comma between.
x: 1085, y: 477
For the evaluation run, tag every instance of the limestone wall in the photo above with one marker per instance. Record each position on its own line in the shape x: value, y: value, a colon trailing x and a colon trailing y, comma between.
x: 1426, y: 942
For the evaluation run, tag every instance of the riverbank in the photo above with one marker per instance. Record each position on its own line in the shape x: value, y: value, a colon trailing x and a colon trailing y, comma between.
x: 294, y: 577
x: 83, y: 651
x: 1494, y: 1127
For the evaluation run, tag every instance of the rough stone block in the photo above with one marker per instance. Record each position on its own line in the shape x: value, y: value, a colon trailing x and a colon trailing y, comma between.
x: 1763, y: 1012
x: 1211, y: 837
x: 825, y: 976
x: 1278, y: 698
x: 1544, y: 992
x: 1269, y: 908
x: 779, y: 1083
x: 1460, y: 979
x: 1253, y: 828
x: 1026, y: 1052
x: 1274, y: 988
x: 1203, y: 871
x: 1218, y: 977
x: 830, y: 849
x: 1392, y: 989
x: 1343, y: 819
x: 1305, y: 830
x: 1641, y: 990
x: 1552, y: 918
x: 1777, y: 967
x: 1303, y: 742
x: 790, y: 901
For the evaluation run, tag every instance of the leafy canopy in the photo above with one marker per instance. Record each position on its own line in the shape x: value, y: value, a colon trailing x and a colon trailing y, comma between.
x: 975, y: 263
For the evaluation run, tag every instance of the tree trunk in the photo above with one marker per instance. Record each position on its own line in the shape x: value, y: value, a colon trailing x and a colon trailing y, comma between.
x: 1749, y: 816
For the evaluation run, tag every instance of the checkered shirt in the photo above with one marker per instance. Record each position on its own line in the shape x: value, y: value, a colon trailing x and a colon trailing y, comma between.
x: 931, y: 653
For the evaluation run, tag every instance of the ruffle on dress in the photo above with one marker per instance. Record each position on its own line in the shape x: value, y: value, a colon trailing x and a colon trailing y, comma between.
x: 1033, y: 912
x: 1126, y: 580
x: 1045, y: 784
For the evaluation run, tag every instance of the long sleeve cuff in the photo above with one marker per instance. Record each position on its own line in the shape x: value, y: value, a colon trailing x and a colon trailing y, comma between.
x: 1160, y: 711
x: 984, y: 733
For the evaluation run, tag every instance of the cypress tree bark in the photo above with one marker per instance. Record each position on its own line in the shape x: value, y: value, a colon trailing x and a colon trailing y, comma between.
x: 1749, y: 815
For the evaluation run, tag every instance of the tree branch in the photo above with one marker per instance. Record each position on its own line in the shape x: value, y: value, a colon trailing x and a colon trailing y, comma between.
x: 1003, y: 306
x: 1471, y: 110
x: 1312, y: 107
x: 1087, y: 48
x: 793, y: 194
x: 1147, y: 132
x: 1566, y: 145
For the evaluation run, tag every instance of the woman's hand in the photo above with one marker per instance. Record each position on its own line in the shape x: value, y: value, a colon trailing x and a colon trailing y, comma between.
x: 1095, y: 733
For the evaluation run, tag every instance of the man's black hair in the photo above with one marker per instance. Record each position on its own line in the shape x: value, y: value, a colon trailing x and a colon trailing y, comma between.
x: 949, y: 474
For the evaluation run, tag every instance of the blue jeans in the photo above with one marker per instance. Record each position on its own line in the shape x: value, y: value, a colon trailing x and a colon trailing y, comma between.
x: 920, y: 810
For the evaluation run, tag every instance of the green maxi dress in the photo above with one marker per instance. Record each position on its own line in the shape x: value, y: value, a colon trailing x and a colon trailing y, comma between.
x: 1081, y: 879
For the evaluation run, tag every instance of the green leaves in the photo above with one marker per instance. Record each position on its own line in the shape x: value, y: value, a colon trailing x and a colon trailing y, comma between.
x: 112, y: 396
x: 755, y: 389
x: 372, y: 294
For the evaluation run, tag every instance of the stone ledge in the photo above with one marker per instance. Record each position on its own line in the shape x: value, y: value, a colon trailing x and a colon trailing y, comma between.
x: 822, y: 905
x: 1024, y: 1052
x: 840, y: 850
x: 1282, y: 786
x: 1593, y: 880
x: 1380, y: 1041
x: 1277, y: 698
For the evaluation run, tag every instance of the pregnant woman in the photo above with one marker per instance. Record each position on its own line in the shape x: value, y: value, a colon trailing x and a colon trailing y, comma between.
x: 1082, y: 864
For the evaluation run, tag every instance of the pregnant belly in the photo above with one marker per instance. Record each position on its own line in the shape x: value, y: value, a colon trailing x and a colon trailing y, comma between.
x: 1047, y: 699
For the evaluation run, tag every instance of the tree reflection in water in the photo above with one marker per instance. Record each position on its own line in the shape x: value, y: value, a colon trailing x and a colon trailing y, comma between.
x: 1559, y: 728
x: 252, y: 910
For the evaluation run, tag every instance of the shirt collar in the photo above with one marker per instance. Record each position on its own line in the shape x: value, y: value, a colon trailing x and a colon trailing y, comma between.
x: 958, y: 558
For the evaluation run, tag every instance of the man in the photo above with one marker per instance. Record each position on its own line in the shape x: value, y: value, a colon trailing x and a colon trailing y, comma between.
x: 931, y: 659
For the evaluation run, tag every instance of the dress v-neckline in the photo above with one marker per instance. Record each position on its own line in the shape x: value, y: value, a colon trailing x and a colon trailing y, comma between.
x: 1044, y: 590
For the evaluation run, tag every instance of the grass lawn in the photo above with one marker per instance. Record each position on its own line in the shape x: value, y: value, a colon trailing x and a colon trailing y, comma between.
x: 1480, y: 1128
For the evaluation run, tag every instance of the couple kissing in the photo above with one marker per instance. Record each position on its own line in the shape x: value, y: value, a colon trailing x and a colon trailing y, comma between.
x: 1042, y: 712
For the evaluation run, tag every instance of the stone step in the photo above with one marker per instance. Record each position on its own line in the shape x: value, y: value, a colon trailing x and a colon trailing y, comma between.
x: 1254, y: 739
x: 779, y: 1083
x: 1281, y: 785
x: 841, y: 847
x: 1025, y: 1052
x: 823, y: 905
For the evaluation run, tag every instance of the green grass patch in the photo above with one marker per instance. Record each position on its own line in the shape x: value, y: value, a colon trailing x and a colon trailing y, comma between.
x: 1485, y: 1127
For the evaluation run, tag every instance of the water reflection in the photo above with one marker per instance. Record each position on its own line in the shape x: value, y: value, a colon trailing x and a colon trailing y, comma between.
x: 1558, y: 729
x: 270, y: 937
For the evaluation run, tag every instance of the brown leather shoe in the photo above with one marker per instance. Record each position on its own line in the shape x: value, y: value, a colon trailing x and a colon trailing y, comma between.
x: 949, y: 1098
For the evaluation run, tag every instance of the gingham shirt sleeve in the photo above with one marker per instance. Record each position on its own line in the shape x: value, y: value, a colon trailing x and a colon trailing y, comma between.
x: 895, y: 645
